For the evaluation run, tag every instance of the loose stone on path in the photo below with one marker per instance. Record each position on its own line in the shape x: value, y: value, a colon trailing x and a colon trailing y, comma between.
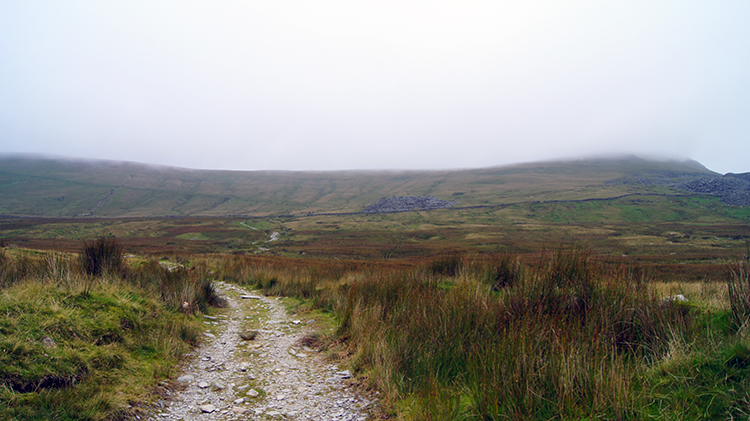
x: 230, y: 378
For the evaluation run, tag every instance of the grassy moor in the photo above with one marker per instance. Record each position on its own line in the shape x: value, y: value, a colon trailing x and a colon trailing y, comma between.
x: 594, y: 289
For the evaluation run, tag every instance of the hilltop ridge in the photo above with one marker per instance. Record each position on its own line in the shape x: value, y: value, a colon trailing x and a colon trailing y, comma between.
x: 46, y: 187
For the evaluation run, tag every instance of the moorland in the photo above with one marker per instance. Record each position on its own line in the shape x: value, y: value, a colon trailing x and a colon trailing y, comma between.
x: 534, y: 291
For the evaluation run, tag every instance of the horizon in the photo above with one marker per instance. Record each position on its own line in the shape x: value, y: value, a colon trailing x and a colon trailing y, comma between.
x: 592, y: 158
x: 408, y: 85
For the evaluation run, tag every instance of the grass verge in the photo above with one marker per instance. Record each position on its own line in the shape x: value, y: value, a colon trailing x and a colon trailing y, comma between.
x: 79, y: 347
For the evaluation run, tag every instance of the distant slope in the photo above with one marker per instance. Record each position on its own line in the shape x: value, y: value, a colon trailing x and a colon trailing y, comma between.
x: 67, y: 188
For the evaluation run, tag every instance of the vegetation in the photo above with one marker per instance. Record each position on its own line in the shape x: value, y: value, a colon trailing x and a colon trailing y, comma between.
x: 103, y: 255
x: 565, y: 336
x: 451, y: 314
x: 55, y: 188
x: 81, y: 343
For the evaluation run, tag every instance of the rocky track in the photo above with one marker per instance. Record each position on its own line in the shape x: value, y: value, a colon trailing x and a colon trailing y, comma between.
x: 270, y: 376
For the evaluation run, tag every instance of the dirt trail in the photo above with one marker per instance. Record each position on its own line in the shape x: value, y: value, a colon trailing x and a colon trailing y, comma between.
x: 269, y: 377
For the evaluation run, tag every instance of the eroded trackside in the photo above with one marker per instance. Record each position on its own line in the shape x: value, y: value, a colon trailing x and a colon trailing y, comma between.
x: 254, y: 367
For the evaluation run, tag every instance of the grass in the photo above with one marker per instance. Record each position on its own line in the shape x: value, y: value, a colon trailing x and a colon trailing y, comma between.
x: 452, y: 314
x: 39, y: 187
x: 79, y: 346
x: 565, y: 335
x: 559, y: 334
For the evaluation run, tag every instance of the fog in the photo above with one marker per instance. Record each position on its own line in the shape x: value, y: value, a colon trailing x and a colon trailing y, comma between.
x: 375, y: 85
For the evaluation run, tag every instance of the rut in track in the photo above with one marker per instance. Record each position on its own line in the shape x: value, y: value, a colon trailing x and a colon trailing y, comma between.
x: 269, y: 377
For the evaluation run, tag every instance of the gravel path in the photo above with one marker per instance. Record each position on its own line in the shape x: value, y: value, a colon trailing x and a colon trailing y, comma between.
x: 268, y: 377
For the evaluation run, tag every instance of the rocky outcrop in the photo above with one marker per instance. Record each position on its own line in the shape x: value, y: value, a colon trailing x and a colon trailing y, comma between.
x: 407, y: 203
x: 734, y: 189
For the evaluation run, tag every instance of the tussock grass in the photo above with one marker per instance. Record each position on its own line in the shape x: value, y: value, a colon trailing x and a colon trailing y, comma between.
x: 738, y: 288
x: 103, y: 254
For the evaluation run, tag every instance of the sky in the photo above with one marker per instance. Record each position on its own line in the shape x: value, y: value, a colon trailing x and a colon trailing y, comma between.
x: 335, y: 85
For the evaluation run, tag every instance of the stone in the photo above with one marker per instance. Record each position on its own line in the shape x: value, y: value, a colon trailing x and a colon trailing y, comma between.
x: 253, y: 393
x: 186, y: 378
x: 203, y: 385
x: 248, y: 335
x: 251, y: 297
x: 239, y: 401
x: 48, y: 342
x: 207, y: 408
x: 344, y: 374
x: 239, y: 410
x: 407, y: 203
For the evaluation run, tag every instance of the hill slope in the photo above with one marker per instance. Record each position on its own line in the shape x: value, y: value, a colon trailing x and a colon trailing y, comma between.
x: 65, y: 188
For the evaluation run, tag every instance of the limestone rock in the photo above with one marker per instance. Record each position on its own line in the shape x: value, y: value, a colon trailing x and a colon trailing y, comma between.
x: 186, y: 378
x: 207, y: 408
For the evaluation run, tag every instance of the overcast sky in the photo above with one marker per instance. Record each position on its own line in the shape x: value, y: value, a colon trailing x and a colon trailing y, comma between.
x: 324, y: 85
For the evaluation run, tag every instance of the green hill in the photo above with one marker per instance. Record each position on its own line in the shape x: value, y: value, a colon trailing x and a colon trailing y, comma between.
x: 75, y: 188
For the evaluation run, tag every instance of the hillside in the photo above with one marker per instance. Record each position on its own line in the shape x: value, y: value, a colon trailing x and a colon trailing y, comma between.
x: 69, y: 188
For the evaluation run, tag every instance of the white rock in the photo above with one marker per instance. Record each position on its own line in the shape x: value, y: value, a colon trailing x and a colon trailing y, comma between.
x: 254, y: 393
x: 239, y: 401
x: 203, y: 385
x: 186, y: 378
x: 207, y: 408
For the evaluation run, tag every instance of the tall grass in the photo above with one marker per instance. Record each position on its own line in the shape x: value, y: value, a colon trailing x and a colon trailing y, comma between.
x: 100, y: 255
x: 189, y: 290
x: 738, y: 287
x: 497, y: 338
